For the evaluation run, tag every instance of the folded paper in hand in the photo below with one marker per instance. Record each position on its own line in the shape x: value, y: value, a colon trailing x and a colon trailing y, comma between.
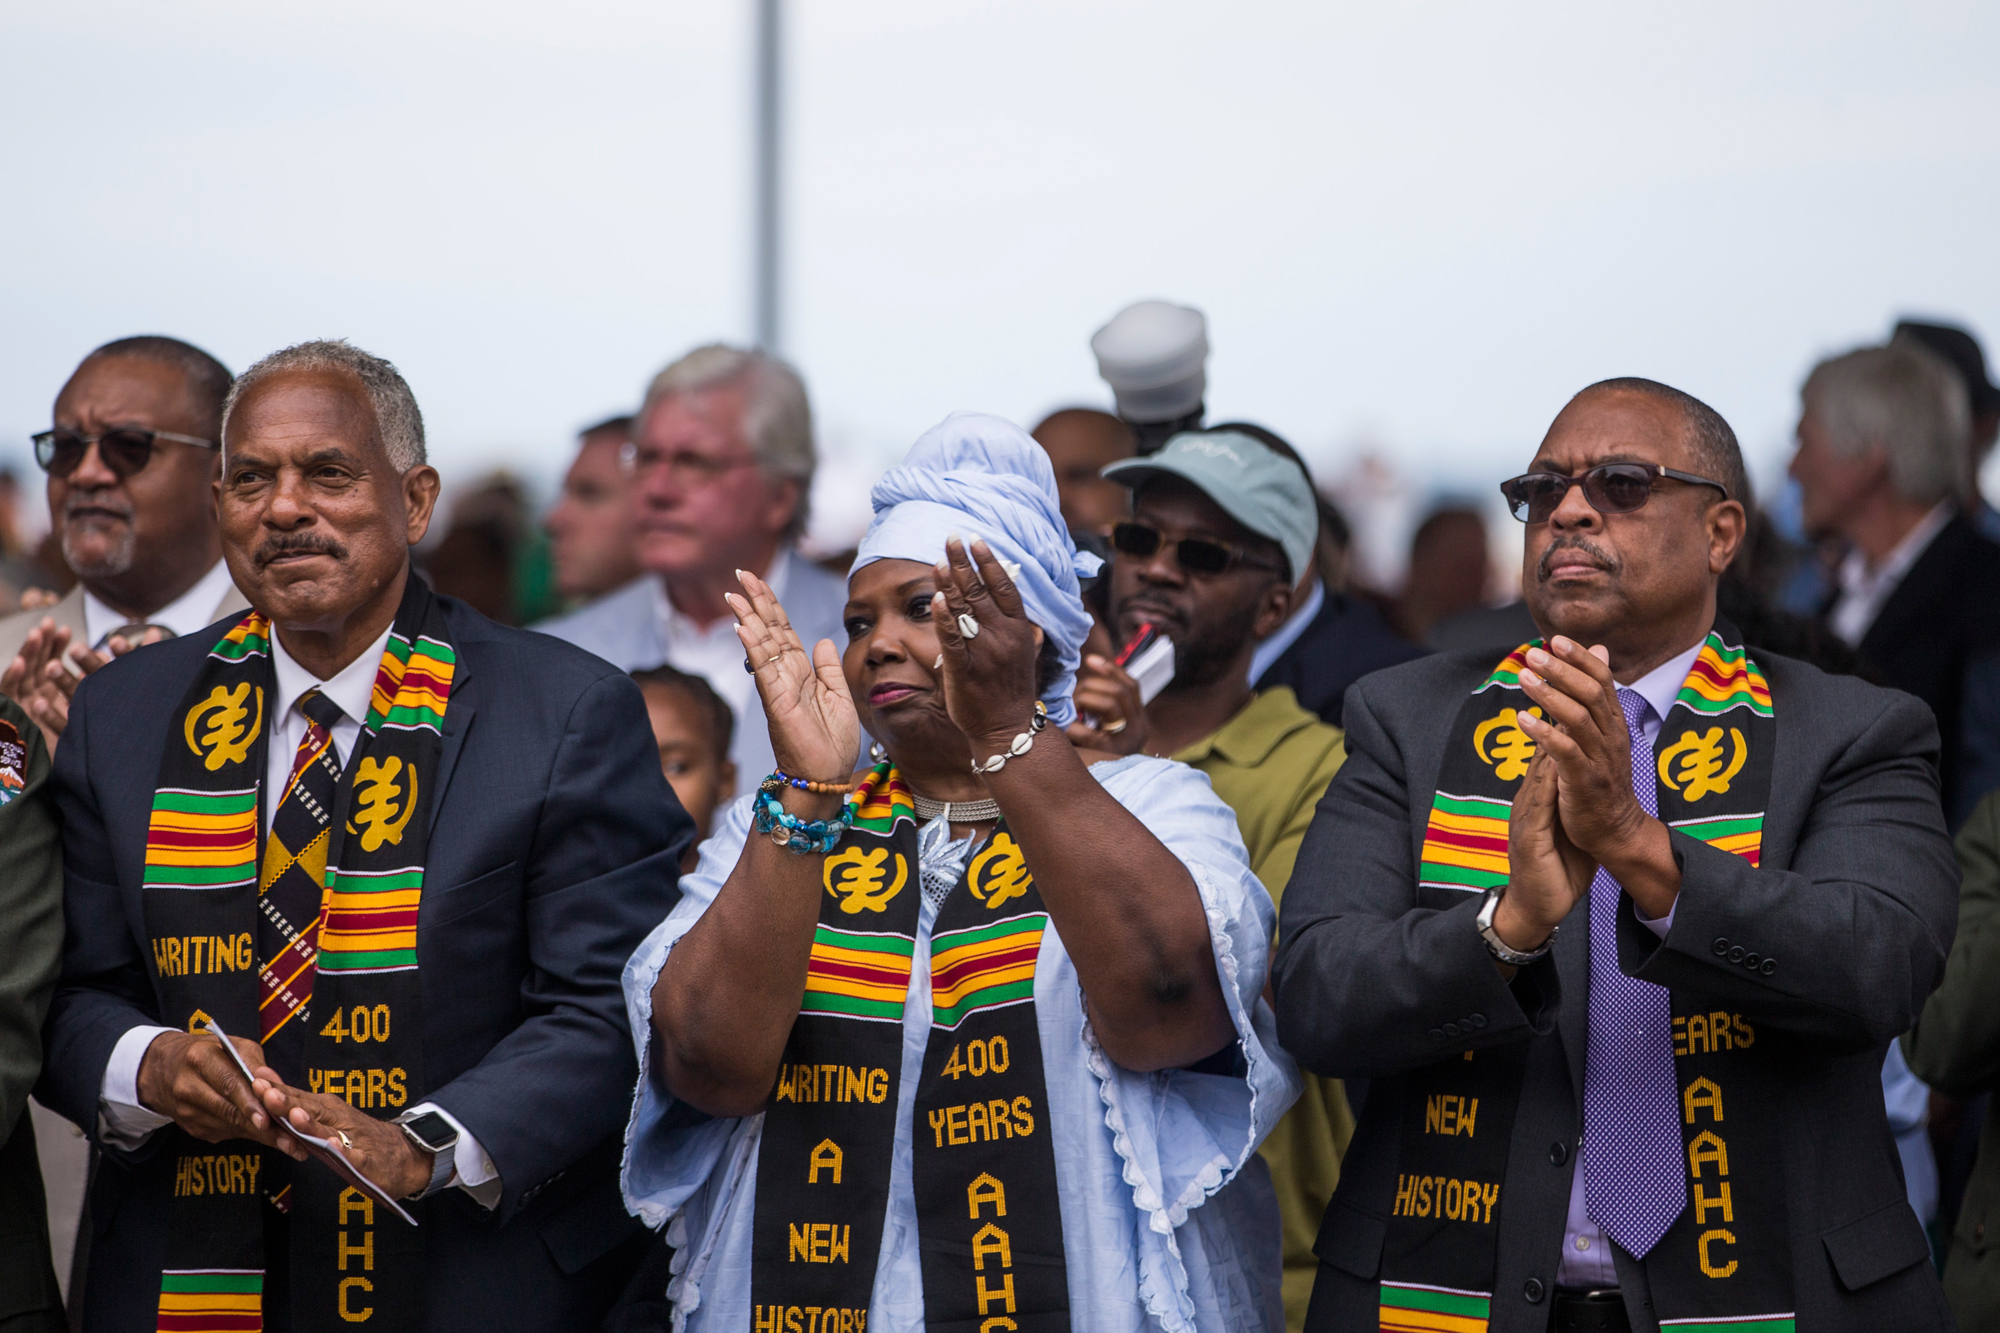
x: 326, y: 1150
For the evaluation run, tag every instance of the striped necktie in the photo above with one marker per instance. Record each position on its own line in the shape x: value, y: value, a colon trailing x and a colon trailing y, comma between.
x: 293, y: 881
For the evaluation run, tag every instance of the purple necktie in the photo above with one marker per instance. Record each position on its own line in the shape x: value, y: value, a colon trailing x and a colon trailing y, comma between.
x: 1634, y: 1184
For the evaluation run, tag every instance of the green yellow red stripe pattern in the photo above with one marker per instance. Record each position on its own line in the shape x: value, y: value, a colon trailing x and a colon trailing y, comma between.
x: 1723, y: 678
x: 985, y: 967
x: 855, y: 974
x: 1465, y: 843
x: 1747, y: 1323
x: 881, y: 799
x: 368, y: 920
x: 1407, y: 1307
x: 211, y: 1300
x: 412, y: 686
x: 201, y: 840
x: 1508, y: 674
x: 251, y: 637
x: 1742, y: 834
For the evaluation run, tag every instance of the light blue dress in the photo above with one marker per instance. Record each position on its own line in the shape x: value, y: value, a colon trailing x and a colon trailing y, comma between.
x: 1168, y: 1217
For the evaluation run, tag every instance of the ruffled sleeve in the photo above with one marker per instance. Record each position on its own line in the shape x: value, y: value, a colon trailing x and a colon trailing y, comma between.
x: 1183, y: 1135
x: 671, y: 1150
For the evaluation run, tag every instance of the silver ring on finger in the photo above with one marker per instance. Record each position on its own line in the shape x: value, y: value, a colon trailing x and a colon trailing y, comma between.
x: 967, y: 626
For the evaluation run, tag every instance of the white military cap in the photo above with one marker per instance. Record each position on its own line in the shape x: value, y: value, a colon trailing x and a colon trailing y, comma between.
x: 1152, y: 355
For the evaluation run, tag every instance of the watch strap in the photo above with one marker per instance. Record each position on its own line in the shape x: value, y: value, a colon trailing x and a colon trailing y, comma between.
x: 1498, y: 947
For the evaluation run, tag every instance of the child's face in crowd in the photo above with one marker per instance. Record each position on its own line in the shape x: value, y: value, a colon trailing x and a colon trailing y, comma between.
x: 702, y: 778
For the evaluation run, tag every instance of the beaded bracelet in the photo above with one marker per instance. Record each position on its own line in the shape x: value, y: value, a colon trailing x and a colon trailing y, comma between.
x: 780, y: 780
x: 794, y: 834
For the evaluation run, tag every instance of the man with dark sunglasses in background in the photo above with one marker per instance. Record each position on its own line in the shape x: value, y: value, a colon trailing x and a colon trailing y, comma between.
x: 1619, y: 925
x: 1222, y: 526
x: 131, y: 460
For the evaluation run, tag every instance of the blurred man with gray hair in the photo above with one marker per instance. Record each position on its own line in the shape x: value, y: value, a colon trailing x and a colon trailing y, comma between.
x: 1880, y: 463
x: 721, y: 462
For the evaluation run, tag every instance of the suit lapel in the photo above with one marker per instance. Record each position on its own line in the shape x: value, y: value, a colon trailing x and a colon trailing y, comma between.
x: 1573, y: 968
x: 458, y: 716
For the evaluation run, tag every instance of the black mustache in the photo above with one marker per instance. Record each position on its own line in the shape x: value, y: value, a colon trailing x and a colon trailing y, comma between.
x: 1602, y: 556
x: 304, y: 543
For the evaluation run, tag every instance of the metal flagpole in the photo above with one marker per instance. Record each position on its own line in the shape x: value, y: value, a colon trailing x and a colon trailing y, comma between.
x: 768, y: 107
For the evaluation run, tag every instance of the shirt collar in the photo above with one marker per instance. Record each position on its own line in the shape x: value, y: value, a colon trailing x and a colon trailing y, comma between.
x: 1659, y: 686
x: 351, y: 689
x: 191, y: 611
x: 1247, y: 739
x: 1858, y: 580
x: 778, y: 577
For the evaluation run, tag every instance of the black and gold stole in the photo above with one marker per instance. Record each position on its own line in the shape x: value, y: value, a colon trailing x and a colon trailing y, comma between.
x: 362, y: 1038
x: 1726, y: 1261
x: 989, y: 1225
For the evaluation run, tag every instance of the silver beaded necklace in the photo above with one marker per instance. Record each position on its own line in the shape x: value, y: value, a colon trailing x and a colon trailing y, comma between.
x: 956, y: 812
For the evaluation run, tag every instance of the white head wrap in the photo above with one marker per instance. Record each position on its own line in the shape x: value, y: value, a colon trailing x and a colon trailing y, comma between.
x: 978, y: 476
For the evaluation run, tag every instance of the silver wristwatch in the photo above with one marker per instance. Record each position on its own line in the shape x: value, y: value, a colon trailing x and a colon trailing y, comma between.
x: 1498, y: 947
x: 434, y: 1134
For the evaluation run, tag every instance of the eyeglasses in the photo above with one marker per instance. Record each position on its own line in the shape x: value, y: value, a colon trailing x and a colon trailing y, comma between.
x: 124, y: 449
x: 684, y: 468
x: 1196, y: 555
x: 1611, y: 488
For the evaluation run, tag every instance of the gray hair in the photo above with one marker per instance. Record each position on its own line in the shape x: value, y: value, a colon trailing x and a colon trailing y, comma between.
x: 777, y: 418
x: 1904, y: 399
x: 397, y: 419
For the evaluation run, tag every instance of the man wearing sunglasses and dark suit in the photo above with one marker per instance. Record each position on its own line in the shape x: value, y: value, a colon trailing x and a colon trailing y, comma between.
x: 1620, y: 925
x: 131, y: 459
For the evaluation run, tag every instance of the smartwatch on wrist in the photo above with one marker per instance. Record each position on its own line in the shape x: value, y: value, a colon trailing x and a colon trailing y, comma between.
x: 1498, y: 947
x: 434, y: 1134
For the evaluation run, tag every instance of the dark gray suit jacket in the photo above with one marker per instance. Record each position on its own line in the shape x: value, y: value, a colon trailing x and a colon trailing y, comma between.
x: 1855, y: 902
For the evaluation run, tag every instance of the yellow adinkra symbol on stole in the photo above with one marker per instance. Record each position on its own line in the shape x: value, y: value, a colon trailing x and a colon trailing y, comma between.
x: 1511, y: 748
x: 862, y: 881
x: 229, y: 738
x: 998, y: 873
x: 375, y: 805
x: 1703, y: 765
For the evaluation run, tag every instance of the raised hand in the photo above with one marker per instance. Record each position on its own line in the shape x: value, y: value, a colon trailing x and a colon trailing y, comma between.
x: 1109, y: 714
x: 43, y: 676
x: 815, y: 731
x: 989, y: 678
x: 1546, y: 872
x: 1583, y: 732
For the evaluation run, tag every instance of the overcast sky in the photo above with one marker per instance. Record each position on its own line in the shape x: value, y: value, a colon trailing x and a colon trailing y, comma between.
x: 1414, y: 227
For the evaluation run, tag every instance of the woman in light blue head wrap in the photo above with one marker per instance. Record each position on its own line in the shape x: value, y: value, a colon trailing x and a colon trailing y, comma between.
x: 972, y: 1038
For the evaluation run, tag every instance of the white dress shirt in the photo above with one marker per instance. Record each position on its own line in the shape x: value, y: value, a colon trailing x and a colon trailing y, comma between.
x: 1586, y: 1255
x: 122, y: 1120
x: 192, y: 610
x: 1864, y: 590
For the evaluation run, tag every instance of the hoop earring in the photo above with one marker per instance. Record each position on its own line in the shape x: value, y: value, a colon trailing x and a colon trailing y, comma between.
x: 876, y: 752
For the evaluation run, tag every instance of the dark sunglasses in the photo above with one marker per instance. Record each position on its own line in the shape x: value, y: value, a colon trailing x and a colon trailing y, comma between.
x: 125, y: 449
x: 1196, y: 555
x: 1611, y: 488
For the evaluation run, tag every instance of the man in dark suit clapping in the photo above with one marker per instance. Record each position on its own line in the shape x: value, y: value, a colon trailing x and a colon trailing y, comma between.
x: 400, y: 854
x: 1620, y: 925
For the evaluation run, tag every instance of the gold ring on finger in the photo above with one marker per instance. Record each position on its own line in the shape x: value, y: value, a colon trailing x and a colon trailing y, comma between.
x: 345, y: 1142
x: 1116, y: 725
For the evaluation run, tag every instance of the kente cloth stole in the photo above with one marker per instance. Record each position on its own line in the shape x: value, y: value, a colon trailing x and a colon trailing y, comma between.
x: 988, y: 1221
x: 1725, y: 1262
x: 360, y: 1035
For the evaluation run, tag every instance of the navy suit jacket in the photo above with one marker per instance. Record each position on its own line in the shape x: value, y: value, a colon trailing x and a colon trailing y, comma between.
x: 554, y: 849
